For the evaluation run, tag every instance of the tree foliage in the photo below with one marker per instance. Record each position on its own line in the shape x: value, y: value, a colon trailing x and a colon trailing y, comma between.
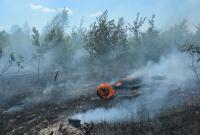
x: 55, y: 30
x: 3, y: 41
x: 194, y: 51
x: 38, y: 47
x: 77, y: 36
x: 110, y: 43
x: 13, y: 61
x: 104, y: 36
x: 135, y: 28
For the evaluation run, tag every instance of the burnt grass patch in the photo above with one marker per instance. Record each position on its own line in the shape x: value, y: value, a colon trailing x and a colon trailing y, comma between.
x: 179, y: 120
x: 184, y: 120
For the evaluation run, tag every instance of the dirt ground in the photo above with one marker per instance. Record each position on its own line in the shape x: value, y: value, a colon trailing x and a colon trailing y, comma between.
x: 49, y: 117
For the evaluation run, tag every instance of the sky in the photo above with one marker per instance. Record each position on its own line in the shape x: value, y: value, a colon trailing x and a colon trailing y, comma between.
x: 38, y: 12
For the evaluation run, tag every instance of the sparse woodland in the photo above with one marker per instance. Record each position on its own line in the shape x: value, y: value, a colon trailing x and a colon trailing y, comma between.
x: 49, y: 75
x: 105, y: 46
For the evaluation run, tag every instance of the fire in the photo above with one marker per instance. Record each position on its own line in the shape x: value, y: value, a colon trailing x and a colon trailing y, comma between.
x: 117, y: 84
x: 105, y: 91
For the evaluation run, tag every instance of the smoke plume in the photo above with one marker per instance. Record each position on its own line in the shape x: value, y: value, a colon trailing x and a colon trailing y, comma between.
x: 162, y: 81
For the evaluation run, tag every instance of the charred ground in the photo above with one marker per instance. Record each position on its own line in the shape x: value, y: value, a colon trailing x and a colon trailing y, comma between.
x: 50, y: 116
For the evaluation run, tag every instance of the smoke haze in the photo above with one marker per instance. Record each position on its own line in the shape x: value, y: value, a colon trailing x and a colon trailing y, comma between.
x: 174, y: 75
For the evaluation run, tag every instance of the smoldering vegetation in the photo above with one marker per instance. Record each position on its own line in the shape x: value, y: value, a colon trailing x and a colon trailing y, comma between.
x: 178, y: 122
x: 53, y: 69
x: 161, y: 84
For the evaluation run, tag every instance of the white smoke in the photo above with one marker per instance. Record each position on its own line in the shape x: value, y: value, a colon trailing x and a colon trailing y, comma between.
x: 177, y: 74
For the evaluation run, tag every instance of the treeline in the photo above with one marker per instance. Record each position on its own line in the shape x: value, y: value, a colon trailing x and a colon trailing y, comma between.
x: 108, y: 46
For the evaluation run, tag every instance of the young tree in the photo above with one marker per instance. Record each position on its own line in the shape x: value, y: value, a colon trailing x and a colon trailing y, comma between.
x: 104, y: 36
x: 55, y: 30
x: 3, y: 41
x: 196, y: 36
x: 135, y: 28
x: 64, y: 18
x: 194, y: 51
x: 56, y: 39
x: 39, y: 49
x: 77, y: 36
x: 178, y: 34
x: 150, y: 42
x: 151, y: 21
x: 13, y: 61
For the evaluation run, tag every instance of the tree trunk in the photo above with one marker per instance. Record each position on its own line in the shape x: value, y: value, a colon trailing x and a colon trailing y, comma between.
x: 194, y: 69
x: 38, y: 68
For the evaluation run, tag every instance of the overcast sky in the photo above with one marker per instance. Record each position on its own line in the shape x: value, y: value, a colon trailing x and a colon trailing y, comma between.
x: 39, y: 12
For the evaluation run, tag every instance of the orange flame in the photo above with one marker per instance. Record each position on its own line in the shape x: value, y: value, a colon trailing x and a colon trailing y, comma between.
x: 105, y: 91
